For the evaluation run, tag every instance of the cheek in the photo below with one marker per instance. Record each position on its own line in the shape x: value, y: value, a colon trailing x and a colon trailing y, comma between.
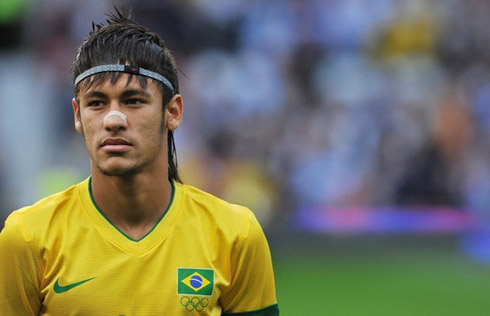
x: 88, y: 129
x: 151, y: 129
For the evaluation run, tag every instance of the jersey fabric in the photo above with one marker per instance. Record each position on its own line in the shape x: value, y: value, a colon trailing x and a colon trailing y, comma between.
x: 62, y: 256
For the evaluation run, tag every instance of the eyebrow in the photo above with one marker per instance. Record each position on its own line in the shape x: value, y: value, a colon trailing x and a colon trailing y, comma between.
x: 95, y: 94
x: 133, y: 92
x: 125, y: 94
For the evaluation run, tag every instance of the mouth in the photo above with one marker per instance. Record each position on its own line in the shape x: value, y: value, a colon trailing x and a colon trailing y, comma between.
x: 115, y: 145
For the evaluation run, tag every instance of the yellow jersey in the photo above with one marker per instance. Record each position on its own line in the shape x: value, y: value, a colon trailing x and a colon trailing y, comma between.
x: 62, y: 256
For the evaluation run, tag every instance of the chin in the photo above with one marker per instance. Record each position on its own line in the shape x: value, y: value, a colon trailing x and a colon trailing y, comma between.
x: 119, y: 171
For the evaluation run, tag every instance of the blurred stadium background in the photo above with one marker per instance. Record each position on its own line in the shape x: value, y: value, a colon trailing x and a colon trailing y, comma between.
x: 357, y: 130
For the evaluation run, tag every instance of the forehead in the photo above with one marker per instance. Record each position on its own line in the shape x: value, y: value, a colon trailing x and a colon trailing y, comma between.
x: 113, y: 82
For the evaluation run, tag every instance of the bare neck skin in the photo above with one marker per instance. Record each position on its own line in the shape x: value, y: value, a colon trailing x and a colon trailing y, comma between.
x: 135, y: 203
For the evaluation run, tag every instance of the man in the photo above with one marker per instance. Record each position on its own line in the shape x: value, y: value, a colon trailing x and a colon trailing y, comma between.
x: 132, y: 239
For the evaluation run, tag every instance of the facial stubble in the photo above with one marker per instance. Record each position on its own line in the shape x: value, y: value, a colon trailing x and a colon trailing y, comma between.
x: 137, y: 168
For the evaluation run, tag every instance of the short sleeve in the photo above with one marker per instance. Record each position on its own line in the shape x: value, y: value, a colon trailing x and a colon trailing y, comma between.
x: 19, y: 271
x: 252, y: 290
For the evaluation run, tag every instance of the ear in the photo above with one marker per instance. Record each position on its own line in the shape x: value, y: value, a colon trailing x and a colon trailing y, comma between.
x: 77, y: 116
x: 173, y: 112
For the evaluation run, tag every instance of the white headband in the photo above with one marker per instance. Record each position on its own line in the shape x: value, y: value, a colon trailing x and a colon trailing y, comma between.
x: 128, y: 69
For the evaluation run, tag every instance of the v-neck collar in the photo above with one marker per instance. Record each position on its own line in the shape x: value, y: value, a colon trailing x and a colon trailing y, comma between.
x: 134, y: 246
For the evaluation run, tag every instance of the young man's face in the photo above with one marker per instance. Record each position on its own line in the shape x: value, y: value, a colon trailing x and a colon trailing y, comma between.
x: 133, y: 140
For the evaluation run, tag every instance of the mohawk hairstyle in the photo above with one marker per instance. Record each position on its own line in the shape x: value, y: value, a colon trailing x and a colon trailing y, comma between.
x: 121, y: 41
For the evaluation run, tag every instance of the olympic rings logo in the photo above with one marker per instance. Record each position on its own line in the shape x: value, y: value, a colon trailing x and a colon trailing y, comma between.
x: 194, y: 303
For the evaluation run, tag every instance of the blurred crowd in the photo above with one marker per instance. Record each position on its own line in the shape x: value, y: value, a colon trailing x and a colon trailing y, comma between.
x: 289, y: 104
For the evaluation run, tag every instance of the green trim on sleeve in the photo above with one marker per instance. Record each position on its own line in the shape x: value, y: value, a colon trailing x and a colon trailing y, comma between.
x: 272, y: 310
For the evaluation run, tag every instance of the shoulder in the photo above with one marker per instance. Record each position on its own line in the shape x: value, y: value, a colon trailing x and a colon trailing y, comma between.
x: 220, y: 212
x: 37, y: 217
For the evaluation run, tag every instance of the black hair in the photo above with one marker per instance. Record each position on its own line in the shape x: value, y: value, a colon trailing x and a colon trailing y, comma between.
x: 122, y: 41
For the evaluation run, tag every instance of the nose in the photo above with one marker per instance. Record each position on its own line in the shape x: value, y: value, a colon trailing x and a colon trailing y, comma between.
x: 115, y: 120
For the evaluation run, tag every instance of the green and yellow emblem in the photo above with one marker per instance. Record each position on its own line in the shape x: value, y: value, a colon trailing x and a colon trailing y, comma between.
x: 195, y: 281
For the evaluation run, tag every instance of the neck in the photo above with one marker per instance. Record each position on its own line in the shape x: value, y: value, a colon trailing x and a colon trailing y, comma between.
x: 133, y: 203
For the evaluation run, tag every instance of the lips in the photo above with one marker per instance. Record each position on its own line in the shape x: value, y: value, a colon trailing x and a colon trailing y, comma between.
x: 116, y: 145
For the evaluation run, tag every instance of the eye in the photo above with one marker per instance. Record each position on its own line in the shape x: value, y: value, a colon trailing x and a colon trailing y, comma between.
x: 135, y: 101
x: 95, y: 103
